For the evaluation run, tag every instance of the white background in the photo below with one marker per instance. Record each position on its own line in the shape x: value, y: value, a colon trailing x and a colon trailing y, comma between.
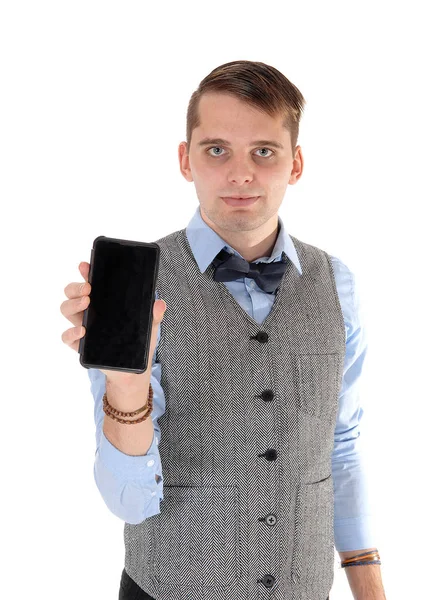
x: 93, y: 106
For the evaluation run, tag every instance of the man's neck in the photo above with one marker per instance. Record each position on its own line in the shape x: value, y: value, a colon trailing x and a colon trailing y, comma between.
x: 250, y: 251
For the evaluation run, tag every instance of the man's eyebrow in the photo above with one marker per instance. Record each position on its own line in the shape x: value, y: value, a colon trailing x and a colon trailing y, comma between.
x: 222, y: 142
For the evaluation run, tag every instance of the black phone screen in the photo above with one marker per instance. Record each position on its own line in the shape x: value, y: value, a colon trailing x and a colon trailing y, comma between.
x: 118, y: 319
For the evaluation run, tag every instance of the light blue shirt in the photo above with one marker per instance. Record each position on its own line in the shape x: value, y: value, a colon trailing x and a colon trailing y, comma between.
x: 128, y: 484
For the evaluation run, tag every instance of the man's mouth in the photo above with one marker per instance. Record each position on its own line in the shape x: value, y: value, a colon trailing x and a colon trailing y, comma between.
x: 240, y: 201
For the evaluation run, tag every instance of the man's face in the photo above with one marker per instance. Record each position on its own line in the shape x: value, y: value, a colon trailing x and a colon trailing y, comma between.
x: 241, y: 168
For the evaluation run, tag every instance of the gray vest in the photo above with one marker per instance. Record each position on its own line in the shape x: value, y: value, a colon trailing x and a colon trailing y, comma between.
x: 246, y: 437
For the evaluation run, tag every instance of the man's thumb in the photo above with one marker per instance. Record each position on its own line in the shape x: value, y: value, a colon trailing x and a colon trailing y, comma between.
x: 159, y: 310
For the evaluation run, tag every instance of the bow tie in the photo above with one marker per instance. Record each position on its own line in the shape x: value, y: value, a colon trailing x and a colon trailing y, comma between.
x: 229, y: 267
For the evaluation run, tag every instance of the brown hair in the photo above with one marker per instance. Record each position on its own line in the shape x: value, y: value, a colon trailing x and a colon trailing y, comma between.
x: 256, y: 84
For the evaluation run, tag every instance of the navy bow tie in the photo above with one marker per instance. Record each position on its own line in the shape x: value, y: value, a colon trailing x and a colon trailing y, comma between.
x: 229, y: 267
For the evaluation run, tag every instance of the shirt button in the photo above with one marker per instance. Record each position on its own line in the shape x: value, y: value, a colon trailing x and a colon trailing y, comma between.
x: 152, y: 493
x: 150, y: 463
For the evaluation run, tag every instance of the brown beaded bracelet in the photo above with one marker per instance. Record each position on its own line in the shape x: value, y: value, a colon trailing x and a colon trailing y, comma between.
x: 111, y: 411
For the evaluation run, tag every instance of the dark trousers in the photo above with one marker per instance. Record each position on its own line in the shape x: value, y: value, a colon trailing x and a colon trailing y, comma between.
x: 129, y: 590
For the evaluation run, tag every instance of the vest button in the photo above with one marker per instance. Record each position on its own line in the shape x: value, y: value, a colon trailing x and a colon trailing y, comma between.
x: 270, y: 454
x: 267, y: 395
x: 262, y: 337
x: 268, y: 581
x: 271, y: 520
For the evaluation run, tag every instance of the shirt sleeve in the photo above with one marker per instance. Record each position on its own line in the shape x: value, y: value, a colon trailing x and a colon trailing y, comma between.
x: 353, y: 526
x: 131, y: 486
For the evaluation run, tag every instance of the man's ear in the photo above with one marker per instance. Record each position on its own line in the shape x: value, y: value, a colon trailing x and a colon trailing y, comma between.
x: 184, y: 161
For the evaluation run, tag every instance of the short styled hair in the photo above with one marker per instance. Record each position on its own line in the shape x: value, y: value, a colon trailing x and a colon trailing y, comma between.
x: 256, y: 84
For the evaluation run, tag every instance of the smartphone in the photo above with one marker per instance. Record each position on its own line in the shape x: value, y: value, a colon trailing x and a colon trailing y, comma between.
x: 118, y: 319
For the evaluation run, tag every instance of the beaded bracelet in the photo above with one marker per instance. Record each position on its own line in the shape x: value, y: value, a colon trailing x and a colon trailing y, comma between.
x: 365, y: 558
x: 111, y: 411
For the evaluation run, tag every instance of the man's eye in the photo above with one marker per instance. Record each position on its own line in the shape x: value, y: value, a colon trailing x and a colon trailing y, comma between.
x: 219, y: 148
x: 265, y: 149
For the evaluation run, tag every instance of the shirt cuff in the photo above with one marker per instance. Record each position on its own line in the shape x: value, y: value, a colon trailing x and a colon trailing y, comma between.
x: 354, y: 533
x: 126, y: 467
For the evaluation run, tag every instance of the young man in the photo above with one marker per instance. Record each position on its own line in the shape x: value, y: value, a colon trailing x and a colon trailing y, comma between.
x: 256, y: 475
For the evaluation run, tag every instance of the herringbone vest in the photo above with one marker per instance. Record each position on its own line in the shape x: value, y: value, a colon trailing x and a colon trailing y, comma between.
x: 246, y: 437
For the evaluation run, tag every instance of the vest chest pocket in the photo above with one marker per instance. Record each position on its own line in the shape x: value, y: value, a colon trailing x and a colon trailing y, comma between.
x: 318, y: 383
x: 197, y: 537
